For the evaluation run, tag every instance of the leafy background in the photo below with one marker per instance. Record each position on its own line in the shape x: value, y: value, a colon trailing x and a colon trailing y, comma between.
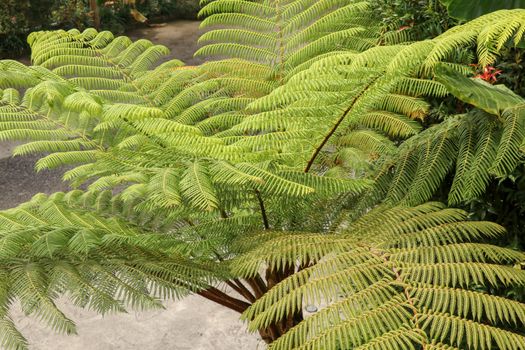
x: 18, y: 18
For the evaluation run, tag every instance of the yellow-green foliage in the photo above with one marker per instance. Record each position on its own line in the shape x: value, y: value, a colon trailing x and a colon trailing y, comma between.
x: 400, y: 278
x: 201, y: 174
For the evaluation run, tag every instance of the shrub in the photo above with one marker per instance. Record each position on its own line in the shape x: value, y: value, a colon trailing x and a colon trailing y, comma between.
x: 17, y: 19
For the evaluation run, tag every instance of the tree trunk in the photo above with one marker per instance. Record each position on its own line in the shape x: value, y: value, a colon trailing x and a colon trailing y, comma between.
x: 269, y: 334
x: 259, y: 288
x: 275, y: 330
x: 93, y: 6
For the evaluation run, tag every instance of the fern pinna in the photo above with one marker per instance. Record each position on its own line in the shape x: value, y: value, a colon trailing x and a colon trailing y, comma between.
x: 245, y: 179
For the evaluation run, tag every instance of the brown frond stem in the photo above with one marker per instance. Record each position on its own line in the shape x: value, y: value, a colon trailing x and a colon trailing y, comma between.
x: 337, y: 124
x: 263, y: 210
x: 258, y: 285
x: 269, y: 334
x: 240, y: 288
x: 406, y: 292
x: 224, y: 299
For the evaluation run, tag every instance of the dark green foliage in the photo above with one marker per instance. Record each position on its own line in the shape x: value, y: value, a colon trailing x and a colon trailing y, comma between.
x: 470, y: 9
x: 415, y: 19
x: 165, y: 9
x: 17, y: 19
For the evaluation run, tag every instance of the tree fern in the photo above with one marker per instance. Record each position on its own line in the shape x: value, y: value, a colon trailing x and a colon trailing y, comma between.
x: 241, y: 172
x: 409, y: 284
x: 483, y: 143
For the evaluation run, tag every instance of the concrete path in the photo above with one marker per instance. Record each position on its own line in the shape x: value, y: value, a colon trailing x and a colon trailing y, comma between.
x: 192, y: 323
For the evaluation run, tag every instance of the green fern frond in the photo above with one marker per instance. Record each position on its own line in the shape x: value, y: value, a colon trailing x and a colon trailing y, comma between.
x: 11, y: 337
x: 197, y: 188
x: 394, y: 125
x: 236, y: 6
x: 61, y: 247
x: 509, y: 152
x: 389, y: 301
x: 367, y: 141
x: 327, y: 186
x: 56, y: 160
x: 251, y: 22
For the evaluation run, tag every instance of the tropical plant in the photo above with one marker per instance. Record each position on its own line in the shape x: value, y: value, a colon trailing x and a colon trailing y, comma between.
x: 278, y: 174
x: 394, y: 279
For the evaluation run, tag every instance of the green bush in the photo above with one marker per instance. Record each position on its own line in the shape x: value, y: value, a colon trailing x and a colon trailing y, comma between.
x: 69, y: 14
x: 115, y: 15
x: 186, y: 9
x: 19, y: 17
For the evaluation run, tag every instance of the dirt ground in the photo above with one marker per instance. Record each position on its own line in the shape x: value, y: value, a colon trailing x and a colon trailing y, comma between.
x: 192, y: 323
x: 179, y: 36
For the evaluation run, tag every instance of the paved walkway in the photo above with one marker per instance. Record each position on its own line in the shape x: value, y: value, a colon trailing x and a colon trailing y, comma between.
x: 179, y: 36
x: 190, y: 324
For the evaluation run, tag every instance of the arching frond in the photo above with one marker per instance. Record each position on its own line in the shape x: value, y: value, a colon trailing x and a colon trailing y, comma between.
x: 104, y: 264
x: 379, y: 289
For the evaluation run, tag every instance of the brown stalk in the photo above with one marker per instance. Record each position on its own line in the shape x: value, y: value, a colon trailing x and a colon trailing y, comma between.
x: 336, y: 125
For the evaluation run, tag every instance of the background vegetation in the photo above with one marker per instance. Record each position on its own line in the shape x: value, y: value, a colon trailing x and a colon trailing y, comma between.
x: 18, y: 18
x: 504, y: 201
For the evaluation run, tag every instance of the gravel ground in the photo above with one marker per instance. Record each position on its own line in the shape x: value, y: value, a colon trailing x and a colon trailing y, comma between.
x: 192, y: 323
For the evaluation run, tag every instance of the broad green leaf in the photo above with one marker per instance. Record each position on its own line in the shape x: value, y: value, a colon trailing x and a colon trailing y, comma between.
x: 470, y: 9
x: 493, y: 99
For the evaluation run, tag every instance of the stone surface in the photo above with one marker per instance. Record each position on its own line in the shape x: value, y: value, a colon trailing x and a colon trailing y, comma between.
x: 190, y: 324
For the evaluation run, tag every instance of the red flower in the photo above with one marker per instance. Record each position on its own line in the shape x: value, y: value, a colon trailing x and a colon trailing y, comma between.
x: 490, y: 74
